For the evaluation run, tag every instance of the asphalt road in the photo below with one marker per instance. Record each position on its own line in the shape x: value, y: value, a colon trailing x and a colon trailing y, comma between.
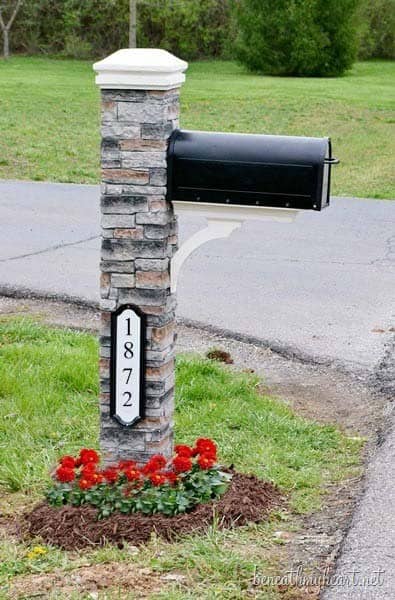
x: 323, y: 286
x: 365, y: 569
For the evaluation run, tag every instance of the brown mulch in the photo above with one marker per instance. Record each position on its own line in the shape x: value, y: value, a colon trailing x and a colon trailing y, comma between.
x: 247, y: 500
x: 221, y: 356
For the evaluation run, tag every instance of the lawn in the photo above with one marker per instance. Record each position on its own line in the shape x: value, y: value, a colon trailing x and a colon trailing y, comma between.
x: 48, y: 394
x: 49, y: 117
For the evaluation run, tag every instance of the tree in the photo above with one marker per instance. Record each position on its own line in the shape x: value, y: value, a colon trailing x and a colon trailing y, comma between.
x: 377, y: 29
x: 6, y: 25
x: 133, y: 24
x: 297, y: 37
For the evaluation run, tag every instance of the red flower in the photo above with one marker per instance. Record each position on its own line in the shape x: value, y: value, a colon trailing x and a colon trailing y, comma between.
x: 206, y: 446
x: 171, y: 477
x: 212, y: 455
x: 68, y: 462
x: 95, y: 477
x: 133, y: 474
x: 65, y: 474
x: 126, y: 464
x: 181, y: 450
x: 89, y: 456
x: 155, y: 463
x: 110, y: 475
x: 88, y: 469
x: 182, y: 464
x: 85, y: 483
x: 206, y: 461
x: 157, y: 478
x: 159, y: 460
x: 89, y: 473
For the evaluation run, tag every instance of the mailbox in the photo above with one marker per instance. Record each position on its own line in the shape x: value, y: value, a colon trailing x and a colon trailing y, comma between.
x: 250, y: 170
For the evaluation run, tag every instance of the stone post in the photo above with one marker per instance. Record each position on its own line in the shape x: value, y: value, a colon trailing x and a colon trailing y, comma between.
x: 140, y: 109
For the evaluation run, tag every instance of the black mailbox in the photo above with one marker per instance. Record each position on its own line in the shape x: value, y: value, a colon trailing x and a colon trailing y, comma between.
x: 252, y: 170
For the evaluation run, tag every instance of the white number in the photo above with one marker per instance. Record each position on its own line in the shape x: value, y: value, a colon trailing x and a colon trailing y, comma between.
x: 127, y: 372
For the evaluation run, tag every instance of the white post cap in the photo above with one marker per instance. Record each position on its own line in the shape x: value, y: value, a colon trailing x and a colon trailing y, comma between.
x: 140, y: 69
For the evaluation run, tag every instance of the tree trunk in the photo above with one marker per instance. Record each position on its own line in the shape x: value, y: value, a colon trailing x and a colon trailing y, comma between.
x: 6, y: 27
x: 133, y: 24
x: 6, y: 44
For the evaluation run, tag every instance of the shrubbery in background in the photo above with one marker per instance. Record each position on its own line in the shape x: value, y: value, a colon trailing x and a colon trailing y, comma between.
x: 309, y: 37
x: 189, y: 28
x: 72, y: 28
x: 297, y: 37
x: 93, y: 28
x: 377, y: 37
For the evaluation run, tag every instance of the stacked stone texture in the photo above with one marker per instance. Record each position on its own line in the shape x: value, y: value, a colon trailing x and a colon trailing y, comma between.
x: 139, y: 237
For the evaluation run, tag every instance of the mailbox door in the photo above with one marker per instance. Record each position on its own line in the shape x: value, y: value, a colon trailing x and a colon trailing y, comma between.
x: 278, y: 171
x: 245, y: 184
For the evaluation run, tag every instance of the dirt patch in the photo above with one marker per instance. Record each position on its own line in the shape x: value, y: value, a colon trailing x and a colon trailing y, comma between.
x: 88, y: 580
x: 248, y: 500
x: 9, y: 527
x: 323, y: 393
x: 59, y: 314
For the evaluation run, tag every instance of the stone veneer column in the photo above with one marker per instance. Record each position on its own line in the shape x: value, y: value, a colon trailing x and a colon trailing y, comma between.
x: 140, y: 109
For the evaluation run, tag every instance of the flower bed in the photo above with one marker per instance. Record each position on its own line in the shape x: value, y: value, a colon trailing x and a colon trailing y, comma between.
x: 89, y: 505
x: 247, y: 500
x: 169, y: 487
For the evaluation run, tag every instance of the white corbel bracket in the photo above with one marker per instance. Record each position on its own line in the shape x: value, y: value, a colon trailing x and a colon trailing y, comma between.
x: 222, y: 220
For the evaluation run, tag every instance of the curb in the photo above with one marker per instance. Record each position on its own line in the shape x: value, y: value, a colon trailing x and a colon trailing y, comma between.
x: 284, y: 350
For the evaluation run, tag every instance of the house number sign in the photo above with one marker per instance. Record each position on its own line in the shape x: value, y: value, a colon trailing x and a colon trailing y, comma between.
x: 127, y: 365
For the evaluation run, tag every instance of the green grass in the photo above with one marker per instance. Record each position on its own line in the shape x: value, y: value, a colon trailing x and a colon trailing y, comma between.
x: 48, y: 407
x: 48, y: 395
x: 49, y: 117
x: 257, y: 433
x: 49, y: 388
